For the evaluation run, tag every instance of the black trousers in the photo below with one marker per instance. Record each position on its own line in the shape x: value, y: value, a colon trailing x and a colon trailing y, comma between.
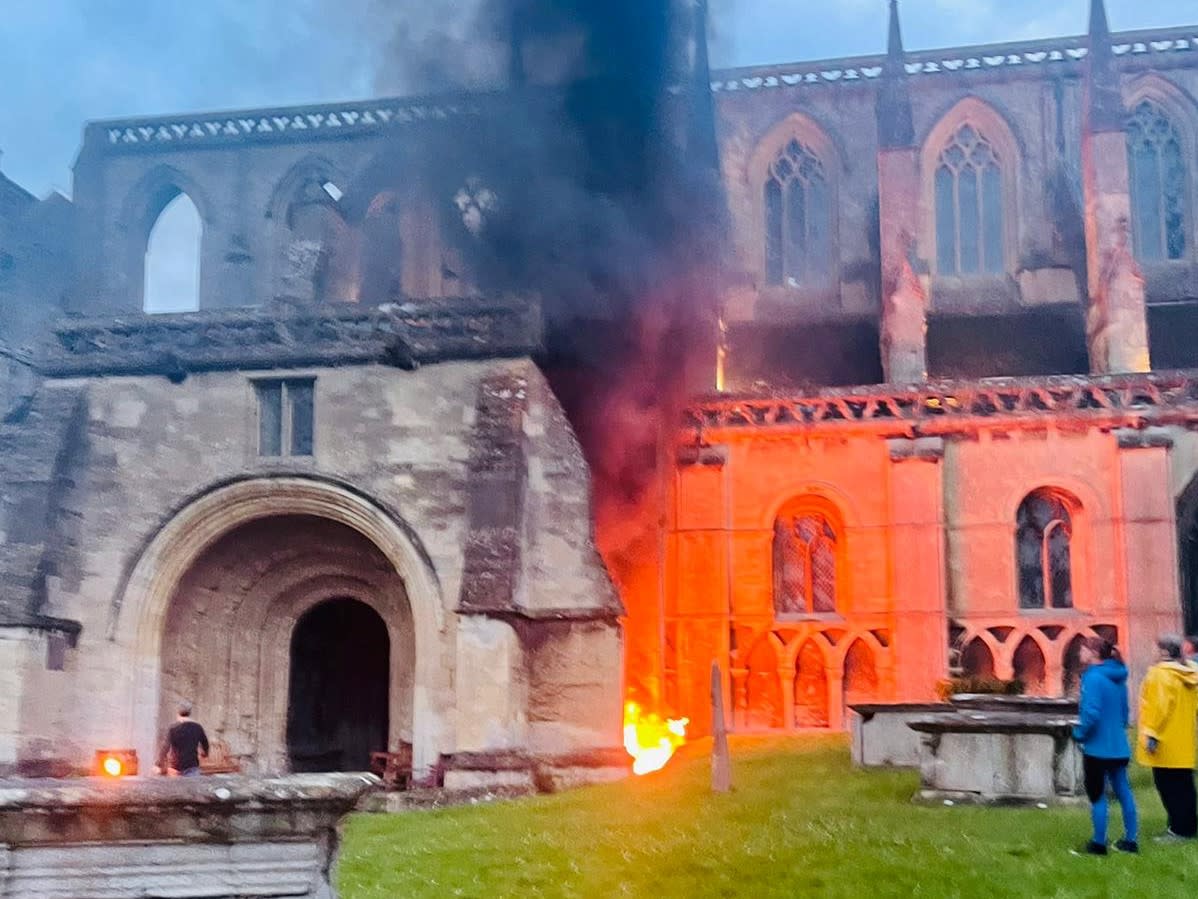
x: 1176, y: 789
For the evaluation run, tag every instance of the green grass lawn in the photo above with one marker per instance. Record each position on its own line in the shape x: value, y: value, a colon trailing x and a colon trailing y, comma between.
x: 801, y: 822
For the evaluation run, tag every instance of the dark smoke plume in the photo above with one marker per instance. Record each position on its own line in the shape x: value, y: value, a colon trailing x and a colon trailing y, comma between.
x: 590, y: 177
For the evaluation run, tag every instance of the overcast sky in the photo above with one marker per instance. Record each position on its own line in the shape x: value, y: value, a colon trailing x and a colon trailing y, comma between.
x: 63, y: 62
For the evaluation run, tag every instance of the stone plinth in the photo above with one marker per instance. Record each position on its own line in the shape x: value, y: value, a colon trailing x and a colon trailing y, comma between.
x: 1034, y: 705
x: 179, y: 838
x: 881, y: 737
x: 998, y: 757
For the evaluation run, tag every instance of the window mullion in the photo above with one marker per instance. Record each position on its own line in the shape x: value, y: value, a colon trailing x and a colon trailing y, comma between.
x: 957, y: 221
x: 285, y: 421
x: 811, y: 578
x: 786, y: 241
x: 1046, y: 567
x: 976, y: 224
x: 1159, y: 202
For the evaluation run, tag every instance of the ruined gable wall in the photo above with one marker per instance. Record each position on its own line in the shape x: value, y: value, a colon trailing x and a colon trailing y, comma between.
x: 241, y: 189
x: 232, y: 188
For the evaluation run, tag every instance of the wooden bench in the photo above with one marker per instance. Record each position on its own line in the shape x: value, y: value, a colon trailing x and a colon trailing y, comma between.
x: 219, y: 760
x: 394, y: 768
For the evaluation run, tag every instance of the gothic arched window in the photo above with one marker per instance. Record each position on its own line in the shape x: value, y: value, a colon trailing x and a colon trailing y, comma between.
x: 969, y: 206
x: 382, y: 251
x: 172, y: 257
x: 805, y: 547
x: 1158, y: 184
x: 313, y: 255
x: 1043, y: 552
x: 798, y: 219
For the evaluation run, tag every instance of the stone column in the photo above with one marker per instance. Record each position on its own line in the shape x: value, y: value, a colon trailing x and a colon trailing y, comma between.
x: 835, y: 678
x: 786, y: 677
x: 740, y: 698
x: 1116, y: 320
x: 920, y: 641
x: 1152, y: 605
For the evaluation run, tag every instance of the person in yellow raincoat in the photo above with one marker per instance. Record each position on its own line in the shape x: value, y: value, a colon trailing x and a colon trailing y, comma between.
x: 1168, y: 740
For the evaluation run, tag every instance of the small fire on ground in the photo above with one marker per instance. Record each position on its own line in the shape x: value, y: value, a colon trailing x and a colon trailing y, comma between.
x: 650, y: 739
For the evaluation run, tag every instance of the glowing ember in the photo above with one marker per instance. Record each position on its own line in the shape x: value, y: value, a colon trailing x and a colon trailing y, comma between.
x: 113, y: 767
x: 649, y: 740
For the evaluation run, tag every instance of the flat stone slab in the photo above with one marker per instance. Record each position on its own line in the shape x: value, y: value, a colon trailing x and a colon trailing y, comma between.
x: 224, y: 790
x: 869, y: 709
x: 990, y: 702
x: 965, y: 721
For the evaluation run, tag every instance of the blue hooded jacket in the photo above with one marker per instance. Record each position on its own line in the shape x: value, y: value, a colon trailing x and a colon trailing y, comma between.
x: 1102, y: 730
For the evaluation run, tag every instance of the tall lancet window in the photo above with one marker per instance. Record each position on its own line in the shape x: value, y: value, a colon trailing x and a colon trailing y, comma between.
x: 969, y: 206
x: 804, y: 564
x: 798, y: 219
x: 1158, y: 184
x: 1043, y: 551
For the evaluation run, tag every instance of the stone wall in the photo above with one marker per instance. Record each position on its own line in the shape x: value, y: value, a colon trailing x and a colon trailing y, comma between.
x: 921, y: 493
x: 36, y: 263
x: 161, y: 463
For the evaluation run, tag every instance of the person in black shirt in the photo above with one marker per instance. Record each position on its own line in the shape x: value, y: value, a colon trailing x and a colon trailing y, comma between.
x: 185, y: 743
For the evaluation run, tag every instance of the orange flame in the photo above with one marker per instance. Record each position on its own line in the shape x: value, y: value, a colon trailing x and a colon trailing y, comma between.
x: 112, y: 766
x: 649, y: 740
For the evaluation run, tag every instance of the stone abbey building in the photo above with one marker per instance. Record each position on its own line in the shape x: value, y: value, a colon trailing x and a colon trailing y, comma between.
x: 339, y: 506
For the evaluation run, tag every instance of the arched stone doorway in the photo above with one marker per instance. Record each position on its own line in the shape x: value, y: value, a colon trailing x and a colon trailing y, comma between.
x: 338, y: 696
x: 142, y: 605
x: 284, y: 591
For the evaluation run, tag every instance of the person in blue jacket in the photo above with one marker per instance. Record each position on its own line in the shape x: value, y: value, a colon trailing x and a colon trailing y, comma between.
x: 1102, y: 733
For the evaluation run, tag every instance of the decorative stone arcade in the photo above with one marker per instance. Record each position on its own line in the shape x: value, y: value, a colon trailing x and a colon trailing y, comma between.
x: 853, y: 546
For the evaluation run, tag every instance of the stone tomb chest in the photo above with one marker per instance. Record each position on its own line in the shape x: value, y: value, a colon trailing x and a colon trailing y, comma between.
x: 997, y: 757
x: 176, y: 838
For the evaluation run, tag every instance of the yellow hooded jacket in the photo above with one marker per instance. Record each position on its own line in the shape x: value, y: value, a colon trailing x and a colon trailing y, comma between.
x: 1169, y: 712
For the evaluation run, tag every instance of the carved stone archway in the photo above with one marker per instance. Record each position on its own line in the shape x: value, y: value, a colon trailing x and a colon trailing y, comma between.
x: 141, y: 608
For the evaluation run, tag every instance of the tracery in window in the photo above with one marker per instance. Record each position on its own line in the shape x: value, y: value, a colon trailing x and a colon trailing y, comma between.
x: 1158, y: 184
x: 805, y: 547
x: 798, y: 219
x: 1043, y: 551
x: 969, y: 206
